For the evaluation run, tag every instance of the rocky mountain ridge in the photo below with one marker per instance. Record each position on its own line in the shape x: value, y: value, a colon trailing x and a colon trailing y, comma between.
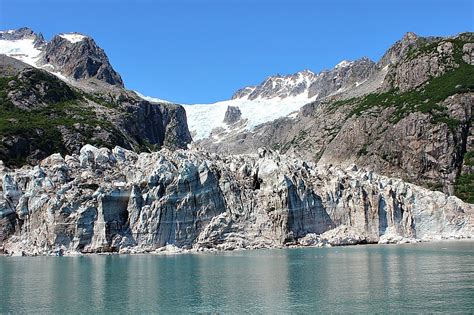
x: 279, y: 96
x: 411, y: 118
x: 343, y: 76
x: 57, y: 96
x: 118, y: 201
x: 23, y: 33
x: 73, y: 56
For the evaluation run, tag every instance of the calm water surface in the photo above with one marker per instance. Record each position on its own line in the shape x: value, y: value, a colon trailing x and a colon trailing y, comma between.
x: 435, y: 277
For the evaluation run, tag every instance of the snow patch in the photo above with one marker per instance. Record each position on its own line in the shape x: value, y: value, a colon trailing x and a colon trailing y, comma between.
x: 73, y: 37
x: 203, y: 118
x: 343, y: 64
x: 152, y: 99
x: 25, y: 50
x: 293, y: 115
x: 22, y: 49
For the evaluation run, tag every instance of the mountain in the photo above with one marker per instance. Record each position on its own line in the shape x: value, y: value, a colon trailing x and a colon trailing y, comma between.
x: 73, y: 56
x: 59, y: 95
x: 411, y: 118
x: 354, y: 155
x: 278, y: 86
x: 77, y: 56
x: 277, y: 96
x: 343, y: 76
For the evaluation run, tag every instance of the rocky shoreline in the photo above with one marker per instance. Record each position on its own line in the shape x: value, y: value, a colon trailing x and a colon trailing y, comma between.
x: 321, y: 242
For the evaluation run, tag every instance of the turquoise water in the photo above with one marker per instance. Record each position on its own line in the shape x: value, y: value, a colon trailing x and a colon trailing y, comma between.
x: 435, y: 277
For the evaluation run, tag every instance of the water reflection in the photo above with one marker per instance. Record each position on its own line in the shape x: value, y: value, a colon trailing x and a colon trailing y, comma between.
x: 362, y: 279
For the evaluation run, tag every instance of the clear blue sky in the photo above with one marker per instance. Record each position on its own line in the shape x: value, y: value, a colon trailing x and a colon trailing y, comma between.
x: 203, y: 50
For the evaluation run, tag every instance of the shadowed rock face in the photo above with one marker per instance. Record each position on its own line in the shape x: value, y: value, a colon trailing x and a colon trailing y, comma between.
x: 232, y: 115
x: 102, y: 200
x: 42, y: 114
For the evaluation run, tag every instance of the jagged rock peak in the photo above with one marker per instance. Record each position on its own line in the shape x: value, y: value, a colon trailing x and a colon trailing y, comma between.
x: 398, y: 50
x: 343, y: 64
x: 78, y: 56
x: 232, y: 115
x: 278, y: 86
x: 23, y: 33
x: 409, y: 37
x: 73, y: 55
x: 344, y: 75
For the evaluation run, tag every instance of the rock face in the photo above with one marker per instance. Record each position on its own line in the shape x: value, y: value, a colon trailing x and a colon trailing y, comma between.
x: 281, y: 86
x: 10, y: 66
x: 41, y: 114
x: 23, y: 33
x: 73, y: 56
x: 468, y: 53
x: 78, y: 57
x: 345, y: 75
x: 419, y: 59
x: 232, y: 115
x: 412, y: 121
x: 103, y: 200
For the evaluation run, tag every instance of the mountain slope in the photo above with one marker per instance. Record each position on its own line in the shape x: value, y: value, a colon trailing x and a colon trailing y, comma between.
x: 417, y: 125
x: 69, y: 95
x: 277, y: 96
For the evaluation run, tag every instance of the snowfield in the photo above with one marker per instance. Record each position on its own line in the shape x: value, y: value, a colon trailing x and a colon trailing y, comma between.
x: 25, y: 50
x: 22, y: 49
x: 203, y: 118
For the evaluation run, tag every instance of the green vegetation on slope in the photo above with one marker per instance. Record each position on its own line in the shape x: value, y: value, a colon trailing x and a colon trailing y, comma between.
x: 464, y: 187
x: 427, y: 100
x: 38, y: 127
x: 428, y: 97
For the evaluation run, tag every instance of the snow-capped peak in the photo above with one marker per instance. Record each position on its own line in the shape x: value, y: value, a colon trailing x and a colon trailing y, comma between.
x: 73, y: 37
x: 343, y: 64
x: 279, y: 86
x: 70, y: 65
x: 306, y: 72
